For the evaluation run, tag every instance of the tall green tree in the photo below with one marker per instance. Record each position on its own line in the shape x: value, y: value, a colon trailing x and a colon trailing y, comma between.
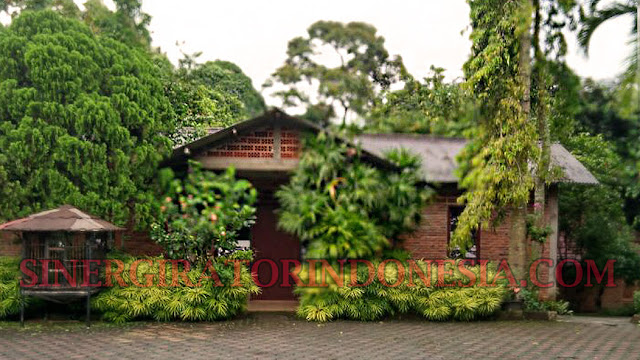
x: 227, y: 77
x: 128, y: 24
x: 363, y: 68
x: 213, y: 94
x: 502, y: 74
x: 495, y: 167
x: 593, y: 218
x: 81, y: 120
x: 600, y: 114
x: 432, y: 106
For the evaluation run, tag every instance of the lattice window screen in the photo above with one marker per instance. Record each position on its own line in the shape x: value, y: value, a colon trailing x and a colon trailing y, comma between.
x: 289, y: 144
x: 257, y: 144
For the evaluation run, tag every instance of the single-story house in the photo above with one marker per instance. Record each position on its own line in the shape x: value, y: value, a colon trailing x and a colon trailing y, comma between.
x: 266, y: 149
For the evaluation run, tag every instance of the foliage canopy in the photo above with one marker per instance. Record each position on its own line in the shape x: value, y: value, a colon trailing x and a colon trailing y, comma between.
x: 91, y: 137
x: 203, y: 213
x: 363, y: 69
x: 342, y: 207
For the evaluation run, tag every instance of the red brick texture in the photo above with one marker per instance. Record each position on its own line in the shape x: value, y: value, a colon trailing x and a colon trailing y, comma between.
x: 137, y: 243
x: 595, y: 298
x: 10, y: 244
x: 431, y: 240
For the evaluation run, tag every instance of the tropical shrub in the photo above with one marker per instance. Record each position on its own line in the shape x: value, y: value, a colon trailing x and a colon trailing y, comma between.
x: 342, y: 207
x: 532, y: 302
x: 10, y: 297
x: 339, y: 206
x: 203, y: 213
x: 593, y: 217
x: 636, y: 302
x: 199, y: 299
x: 453, y: 298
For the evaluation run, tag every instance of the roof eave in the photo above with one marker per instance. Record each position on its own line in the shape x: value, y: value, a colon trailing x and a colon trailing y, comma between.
x: 181, y: 154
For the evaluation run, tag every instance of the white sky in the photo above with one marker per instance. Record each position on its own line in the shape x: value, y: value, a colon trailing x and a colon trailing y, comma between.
x: 254, y: 33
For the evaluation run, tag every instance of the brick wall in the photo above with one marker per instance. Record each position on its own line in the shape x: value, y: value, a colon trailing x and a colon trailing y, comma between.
x: 430, y: 240
x: 597, y: 298
x: 267, y: 143
x: 137, y: 243
x: 9, y: 244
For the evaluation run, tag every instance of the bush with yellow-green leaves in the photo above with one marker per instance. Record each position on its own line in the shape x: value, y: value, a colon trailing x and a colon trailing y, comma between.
x: 454, y: 297
x: 10, y: 297
x: 192, y: 298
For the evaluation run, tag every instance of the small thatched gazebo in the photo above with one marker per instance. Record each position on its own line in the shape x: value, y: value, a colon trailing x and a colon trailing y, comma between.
x: 65, y: 236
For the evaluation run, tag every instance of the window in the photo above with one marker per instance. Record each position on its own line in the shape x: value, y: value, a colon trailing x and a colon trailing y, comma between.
x: 244, y: 239
x: 473, y: 252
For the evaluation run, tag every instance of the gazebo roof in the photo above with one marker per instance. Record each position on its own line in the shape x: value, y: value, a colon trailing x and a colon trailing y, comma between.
x: 65, y: 218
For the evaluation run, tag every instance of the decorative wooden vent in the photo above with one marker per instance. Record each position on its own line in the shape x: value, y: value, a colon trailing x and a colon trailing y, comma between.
x: 289, y: 144
x: 257, y: 144
x: 267, y: 143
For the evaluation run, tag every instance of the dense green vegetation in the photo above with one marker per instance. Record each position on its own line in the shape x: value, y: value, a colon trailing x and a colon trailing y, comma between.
x: 91, y: 137
x: 429, y: 107
x: 203, y: 213
x: 532, y: 302
x: 88, y: 109
x: 454, y: 298
x: 339, y: 206
x: 191, y: 298
x: 121, y: 114
x: 10, y: 297
x: 213, y: 94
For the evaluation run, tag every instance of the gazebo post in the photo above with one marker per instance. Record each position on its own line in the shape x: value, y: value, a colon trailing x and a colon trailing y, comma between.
x: 88, y: 322
x: 24, y: 254
x: 21, y: 309
x: 89, y: 241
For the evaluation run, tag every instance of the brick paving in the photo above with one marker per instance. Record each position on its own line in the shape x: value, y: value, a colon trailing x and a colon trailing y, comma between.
x: 277, y: 336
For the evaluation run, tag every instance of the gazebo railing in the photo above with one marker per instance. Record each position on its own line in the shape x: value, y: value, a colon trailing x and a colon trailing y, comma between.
x: 57, y: 260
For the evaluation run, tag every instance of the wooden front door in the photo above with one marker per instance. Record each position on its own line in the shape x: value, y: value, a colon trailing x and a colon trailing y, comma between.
x: 275, y: 245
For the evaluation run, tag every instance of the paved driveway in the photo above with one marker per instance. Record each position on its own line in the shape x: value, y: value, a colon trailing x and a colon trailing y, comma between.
x: 284, y: 337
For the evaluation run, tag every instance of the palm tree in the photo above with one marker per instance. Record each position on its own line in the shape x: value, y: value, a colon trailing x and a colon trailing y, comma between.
x: 596, y: 17
x: 592, y: 21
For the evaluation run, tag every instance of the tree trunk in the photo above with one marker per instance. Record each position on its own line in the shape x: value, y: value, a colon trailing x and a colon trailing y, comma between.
x: 542, y: 168
x: 518, y: 235
x: 518, y: 244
